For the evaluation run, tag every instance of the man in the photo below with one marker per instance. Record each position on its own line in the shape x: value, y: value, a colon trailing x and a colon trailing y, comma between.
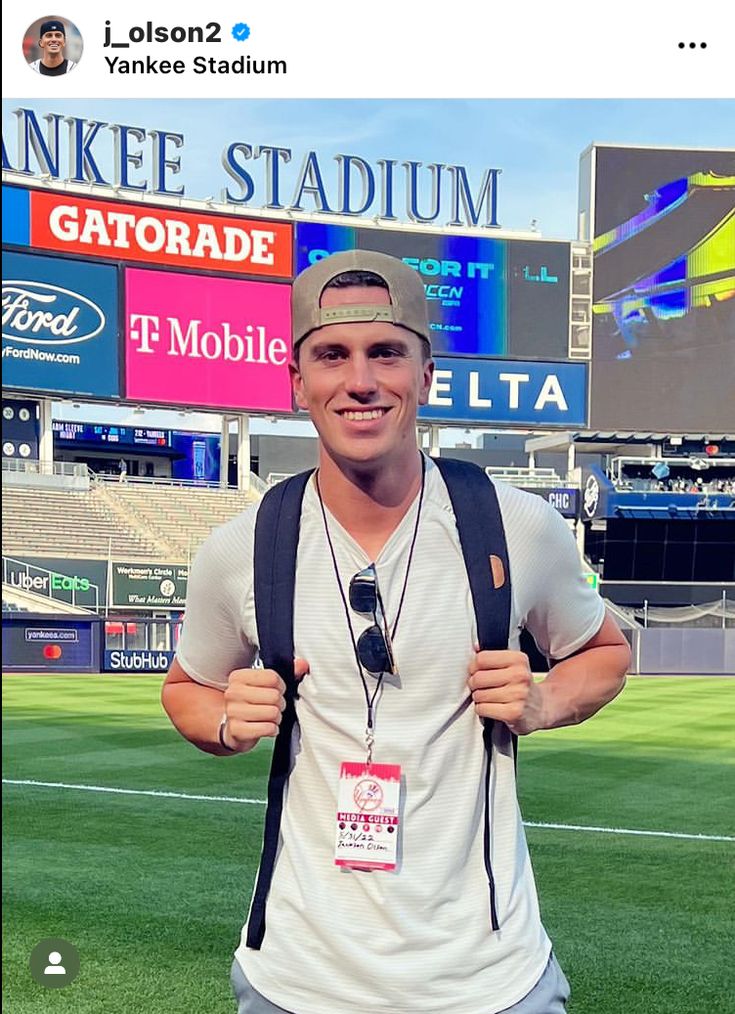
x: 52, y: 41
x: 416, y: 936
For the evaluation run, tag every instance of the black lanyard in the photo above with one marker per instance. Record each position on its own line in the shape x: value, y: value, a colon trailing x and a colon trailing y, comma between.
x: 371, y: 699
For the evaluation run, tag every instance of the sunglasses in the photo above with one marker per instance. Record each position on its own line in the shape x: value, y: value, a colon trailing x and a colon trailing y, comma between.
x: 374, y: 647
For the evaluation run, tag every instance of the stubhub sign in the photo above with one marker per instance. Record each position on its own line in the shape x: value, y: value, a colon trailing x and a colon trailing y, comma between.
x: 473, y: 390
x: 138, y: 661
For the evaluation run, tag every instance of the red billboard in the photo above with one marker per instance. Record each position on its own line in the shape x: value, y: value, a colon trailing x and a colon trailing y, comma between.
x: 181, y: 239
x: 207, y: 342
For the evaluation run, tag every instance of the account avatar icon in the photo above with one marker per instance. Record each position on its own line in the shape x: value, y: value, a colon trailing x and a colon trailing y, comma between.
x: 54, y: 963
x: 52, y: 46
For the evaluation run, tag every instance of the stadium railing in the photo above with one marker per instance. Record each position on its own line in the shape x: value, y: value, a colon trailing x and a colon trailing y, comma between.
x: 177, y: 513
x: 526, y: 476
x: 274, y: 477
x: 58, y: 474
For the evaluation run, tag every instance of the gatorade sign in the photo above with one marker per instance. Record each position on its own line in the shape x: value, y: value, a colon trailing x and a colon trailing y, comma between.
x: 133, y: 232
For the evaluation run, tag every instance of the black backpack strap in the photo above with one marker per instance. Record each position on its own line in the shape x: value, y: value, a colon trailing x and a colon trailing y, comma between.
x: 482, y: 537
x: 276, y: 545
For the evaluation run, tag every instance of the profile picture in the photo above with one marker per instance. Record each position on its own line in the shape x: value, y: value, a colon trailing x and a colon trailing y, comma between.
x: 52, y: 45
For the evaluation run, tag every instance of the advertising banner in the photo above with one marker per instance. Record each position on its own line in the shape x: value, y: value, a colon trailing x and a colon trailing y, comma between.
x: 78, y: 582
x: 181, y: 239
x: 149, y: 584
x: 480, y: 391
x: 663, y: 338
x: 60, y: 328
x: 31, y: 645
x: 143, y: 660
x: 197, y: 456
x: 487, y: 297
x: 136, y: 440
x: 16, y: 216
x: 207, y: 342
x: 597, y: 490
x: 564, y: 499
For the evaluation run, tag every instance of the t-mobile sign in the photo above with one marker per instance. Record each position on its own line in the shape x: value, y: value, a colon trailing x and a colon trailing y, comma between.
x: 207, y: 342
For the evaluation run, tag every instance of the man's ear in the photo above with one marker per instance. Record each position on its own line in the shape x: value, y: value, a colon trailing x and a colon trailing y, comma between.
x: 297, y: 384
x: 428, y: 376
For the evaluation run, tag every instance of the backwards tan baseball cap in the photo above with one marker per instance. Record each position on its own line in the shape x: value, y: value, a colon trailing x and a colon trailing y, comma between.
x: 408, y: 305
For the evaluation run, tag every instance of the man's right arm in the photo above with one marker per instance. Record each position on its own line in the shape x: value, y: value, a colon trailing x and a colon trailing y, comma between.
x: 252, y: 705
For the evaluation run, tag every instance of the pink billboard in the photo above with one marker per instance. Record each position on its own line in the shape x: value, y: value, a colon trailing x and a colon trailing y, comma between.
x: 207, y: 342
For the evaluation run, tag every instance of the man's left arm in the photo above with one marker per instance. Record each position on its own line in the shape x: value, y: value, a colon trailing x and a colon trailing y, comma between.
x: 503, y: 687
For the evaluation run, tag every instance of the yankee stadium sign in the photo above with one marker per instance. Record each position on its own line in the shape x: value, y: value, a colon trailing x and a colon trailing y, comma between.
x: 138, y: 160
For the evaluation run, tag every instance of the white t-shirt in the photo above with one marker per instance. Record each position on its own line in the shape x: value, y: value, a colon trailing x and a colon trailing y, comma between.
x: 418, y: 939
x: 36, y: 65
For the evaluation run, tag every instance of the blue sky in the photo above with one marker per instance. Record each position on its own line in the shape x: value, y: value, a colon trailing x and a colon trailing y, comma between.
x: 537, y: 143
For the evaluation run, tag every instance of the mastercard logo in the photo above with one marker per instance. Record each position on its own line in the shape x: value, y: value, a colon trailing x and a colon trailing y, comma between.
x: 52, y: 651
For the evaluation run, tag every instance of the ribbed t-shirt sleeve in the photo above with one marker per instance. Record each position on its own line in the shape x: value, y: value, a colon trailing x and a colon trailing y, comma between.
x: 553, y: 599
x: 214, y: 639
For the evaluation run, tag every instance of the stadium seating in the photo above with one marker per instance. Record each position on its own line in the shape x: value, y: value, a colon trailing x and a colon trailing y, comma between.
x: 46, y: 522
x: 178, y: 517
x: 128, y: 521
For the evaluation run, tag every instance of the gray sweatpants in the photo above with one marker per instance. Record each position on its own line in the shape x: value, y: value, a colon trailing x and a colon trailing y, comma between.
x: 548, y: 996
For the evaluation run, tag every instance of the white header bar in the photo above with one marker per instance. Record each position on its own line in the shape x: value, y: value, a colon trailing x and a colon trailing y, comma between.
x: 384, y: 49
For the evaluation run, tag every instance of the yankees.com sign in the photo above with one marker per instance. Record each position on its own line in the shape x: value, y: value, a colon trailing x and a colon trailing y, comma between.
x: 60, y: 326
x: 207, y: 342
x: 133, y: 232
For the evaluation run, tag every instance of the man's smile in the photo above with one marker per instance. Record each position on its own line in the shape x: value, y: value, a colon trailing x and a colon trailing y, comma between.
x: 362, y: 414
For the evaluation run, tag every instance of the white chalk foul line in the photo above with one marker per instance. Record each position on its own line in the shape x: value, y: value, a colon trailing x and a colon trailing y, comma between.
x: 628, y: 830
x: 133, y: 792
x: 262, y: 802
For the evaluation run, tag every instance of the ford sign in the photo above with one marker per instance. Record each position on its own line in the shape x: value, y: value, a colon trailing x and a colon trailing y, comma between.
x: 38, y: 313
x: 60, y: 326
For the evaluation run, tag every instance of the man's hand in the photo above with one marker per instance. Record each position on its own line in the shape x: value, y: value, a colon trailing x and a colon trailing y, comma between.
x: 254, y: 705
x: 503, y: 688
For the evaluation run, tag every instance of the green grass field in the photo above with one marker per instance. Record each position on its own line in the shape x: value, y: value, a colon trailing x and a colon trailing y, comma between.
x: 153, y: 890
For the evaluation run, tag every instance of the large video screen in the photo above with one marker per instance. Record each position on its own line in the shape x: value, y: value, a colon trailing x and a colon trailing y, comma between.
x: 197, y: 456
x: 664, y: 290
x: 487, y: 297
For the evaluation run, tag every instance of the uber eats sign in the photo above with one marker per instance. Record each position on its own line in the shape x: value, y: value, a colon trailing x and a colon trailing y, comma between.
x: 78, y: 582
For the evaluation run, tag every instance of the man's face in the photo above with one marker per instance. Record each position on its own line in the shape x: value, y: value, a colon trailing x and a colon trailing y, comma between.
x: 362, y: 382
x: 52, y: 42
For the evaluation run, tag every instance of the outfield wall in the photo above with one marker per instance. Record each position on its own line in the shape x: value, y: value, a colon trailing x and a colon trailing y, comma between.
x: 684, y: 652
x: 37, y: 643
x: 48, y: 643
